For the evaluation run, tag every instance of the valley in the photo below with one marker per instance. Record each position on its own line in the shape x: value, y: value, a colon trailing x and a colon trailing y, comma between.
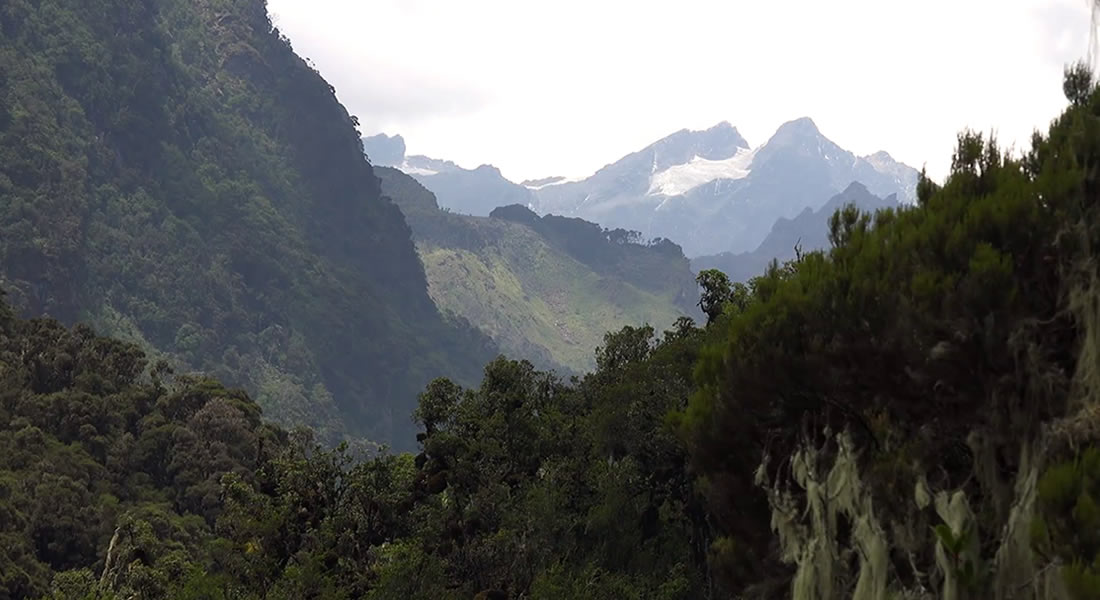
x: 249, y: 353
x: 545, y: 289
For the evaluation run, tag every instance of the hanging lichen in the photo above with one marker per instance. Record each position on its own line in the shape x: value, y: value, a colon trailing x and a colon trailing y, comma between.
x: 805, y: 518
x: 958, y: 551
x: 807, y: 526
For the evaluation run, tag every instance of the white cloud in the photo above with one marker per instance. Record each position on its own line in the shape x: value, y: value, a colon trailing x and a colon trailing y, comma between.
x: 562, y: 88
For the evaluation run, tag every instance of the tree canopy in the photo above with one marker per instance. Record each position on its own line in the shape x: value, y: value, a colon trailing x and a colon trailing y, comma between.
x: 911, y: 413
x: 172, y: 173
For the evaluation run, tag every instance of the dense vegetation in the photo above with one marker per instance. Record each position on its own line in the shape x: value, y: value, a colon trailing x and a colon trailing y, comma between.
x: 912, y: 413
x: 898, y: 398
x: 909, y: 414
x: 172, y: 173
x: 544, y: 289
x: 123, y: 481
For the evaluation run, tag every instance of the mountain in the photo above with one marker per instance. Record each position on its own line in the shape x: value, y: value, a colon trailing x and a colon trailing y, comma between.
x: 627, y: 183
x: 383, y: 150
x: 913, y: 414
x: 174, y: 174
x: 709, y: 191
x: 544, y: 288
x: 808, y: 231
x: 466, y: 191
x: 472, y: 192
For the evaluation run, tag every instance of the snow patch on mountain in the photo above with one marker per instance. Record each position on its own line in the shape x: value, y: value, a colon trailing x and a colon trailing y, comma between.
x: 709, y: 190
x: 549, y: 181
x: 411, y: 170
x: 680, y: 179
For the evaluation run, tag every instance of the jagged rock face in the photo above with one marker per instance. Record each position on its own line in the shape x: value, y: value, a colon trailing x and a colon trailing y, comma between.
x: 384, y: 151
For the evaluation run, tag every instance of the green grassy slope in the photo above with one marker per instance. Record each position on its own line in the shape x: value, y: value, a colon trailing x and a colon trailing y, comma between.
x: 527, y: 291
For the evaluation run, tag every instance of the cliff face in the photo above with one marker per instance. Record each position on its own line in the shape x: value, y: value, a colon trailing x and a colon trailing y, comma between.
x: 175, y: 174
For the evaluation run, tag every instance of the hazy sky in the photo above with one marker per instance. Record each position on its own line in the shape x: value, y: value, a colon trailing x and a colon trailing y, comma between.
x: 565, y: 87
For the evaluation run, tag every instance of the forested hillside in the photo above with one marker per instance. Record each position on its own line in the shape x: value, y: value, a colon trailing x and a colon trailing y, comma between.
x: 119, y: 479
x: 544, y: 288
x: 172, y: 173
x: 918, y: 405
x: 910, y: 414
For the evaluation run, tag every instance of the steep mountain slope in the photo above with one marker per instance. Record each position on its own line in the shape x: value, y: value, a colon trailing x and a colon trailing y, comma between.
x: 711, y: 192
x: 545, y: 289
x: 808, y: 231
x: 173, y: 173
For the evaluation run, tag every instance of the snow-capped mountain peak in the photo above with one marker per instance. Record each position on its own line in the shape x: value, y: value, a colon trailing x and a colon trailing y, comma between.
x: 719, y: 142
x: 710, y: 191
x: 707, y: 190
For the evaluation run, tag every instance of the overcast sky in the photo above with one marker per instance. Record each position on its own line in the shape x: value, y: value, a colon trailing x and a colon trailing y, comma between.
x: 565, y: 87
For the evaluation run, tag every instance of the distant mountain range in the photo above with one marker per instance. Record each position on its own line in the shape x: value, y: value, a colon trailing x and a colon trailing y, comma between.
x: 473, y: 192
x: 808, y: 231
x: 709, y: 191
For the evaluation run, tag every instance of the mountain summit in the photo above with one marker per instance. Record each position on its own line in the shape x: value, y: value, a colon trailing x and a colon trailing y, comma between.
x: 801, y: 127
x: 473, y: 192
x: 711, y: 192
x: 719, y: 142
x: 384, y: 151
x: 708, y: 190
